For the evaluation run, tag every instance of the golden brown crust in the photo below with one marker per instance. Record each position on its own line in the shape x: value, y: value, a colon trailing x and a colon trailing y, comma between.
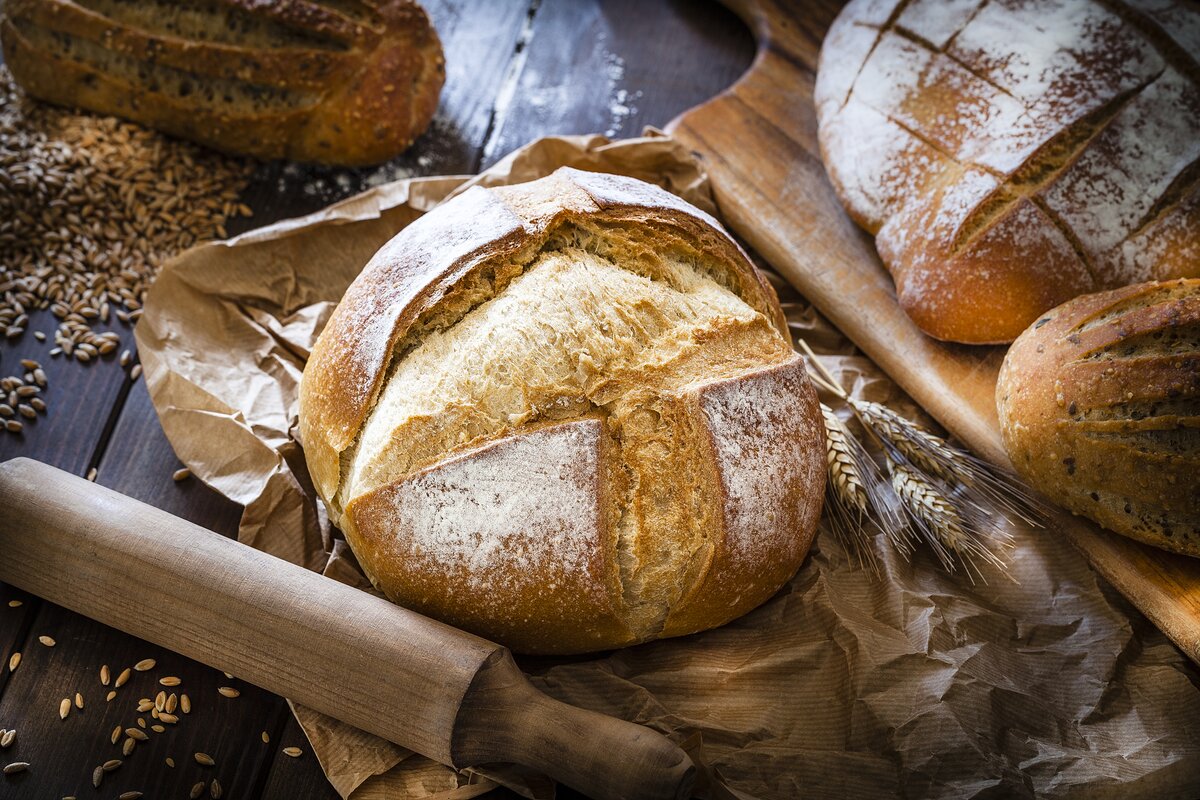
x: 1099, y: 404
x: 427, y: 540
x: 647, y: 498
x: 408, y: 275
x: 299, y: 81
x: 418, y: 269
x: 1011, y: 156
x: 770, y: 419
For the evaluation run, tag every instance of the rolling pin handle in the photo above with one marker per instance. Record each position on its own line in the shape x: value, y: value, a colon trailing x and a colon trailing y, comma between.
x: 504, y: 718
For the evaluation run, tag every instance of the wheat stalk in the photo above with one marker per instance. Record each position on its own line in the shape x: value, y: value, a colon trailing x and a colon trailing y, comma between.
x: 924, y: 450
x: 939, y: 494
x: 844, y: 474
x: 951, y: 530
x: 934, y: 512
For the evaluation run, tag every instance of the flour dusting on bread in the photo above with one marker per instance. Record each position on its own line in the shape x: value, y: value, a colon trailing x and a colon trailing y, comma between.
x: 566, y: 415
x: 1089, y: 110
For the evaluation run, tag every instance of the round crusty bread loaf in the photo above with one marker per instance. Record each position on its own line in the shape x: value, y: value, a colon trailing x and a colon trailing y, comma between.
x: 1099, y: 403
x: 1009, y: 156
x: 566, y: 415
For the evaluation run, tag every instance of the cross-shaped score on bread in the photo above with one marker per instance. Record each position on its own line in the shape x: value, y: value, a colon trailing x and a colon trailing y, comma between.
x: 576, y: 425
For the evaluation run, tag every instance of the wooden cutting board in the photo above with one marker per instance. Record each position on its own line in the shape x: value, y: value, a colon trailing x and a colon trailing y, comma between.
x: 759, y: 142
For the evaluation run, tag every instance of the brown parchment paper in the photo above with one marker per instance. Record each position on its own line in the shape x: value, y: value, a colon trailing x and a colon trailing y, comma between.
x: 910, y: 683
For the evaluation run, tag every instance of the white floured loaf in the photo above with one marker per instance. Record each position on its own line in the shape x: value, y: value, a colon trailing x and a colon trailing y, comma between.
x: 566, y: 415
x: 1009, y: 155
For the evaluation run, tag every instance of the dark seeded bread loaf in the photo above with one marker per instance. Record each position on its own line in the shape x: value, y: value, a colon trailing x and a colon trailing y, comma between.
x: 1099, y: 402
x: 332, y: 81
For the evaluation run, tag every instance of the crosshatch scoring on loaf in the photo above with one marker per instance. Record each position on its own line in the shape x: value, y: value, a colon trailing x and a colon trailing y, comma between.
x: 1009, y: 157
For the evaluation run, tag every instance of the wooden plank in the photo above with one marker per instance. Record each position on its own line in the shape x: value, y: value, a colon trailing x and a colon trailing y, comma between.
x: 63, y: 753
x: 759, y: 142
x: 295, y: 777
x: 615, y: 67
x: 139, y: 461
x: 79, y: 398
x: 14, y: 630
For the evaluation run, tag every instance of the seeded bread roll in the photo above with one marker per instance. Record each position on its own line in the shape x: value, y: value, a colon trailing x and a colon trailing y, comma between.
x: 566, y: 415
x: 1099, y: 403
x: 1013, y: 154
x: 348, y: 82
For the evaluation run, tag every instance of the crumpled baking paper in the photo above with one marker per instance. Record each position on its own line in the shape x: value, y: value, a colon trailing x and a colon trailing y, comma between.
x: 912, y: 683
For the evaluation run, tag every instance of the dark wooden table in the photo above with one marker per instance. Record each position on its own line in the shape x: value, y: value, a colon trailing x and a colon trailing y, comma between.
x: 516, y: 70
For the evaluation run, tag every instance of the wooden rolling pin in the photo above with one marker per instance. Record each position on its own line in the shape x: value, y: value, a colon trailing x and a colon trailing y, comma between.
x: 426, y: 686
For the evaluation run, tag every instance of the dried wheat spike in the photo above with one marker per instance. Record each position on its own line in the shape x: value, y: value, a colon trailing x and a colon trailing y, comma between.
x: 984, y: 486
x: 923, y: 450
x: 844, y: 475
x: 846, y: 499
x: 965, y: 532
x: 934, y: 514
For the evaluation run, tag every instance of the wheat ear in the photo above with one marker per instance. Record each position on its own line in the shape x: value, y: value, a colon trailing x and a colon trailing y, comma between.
x: 844, y: 474
x: 936, y: 517
x: 925, y: 451
x: 846, y: 498
x: 984, y: 486
x: 950, y: 530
